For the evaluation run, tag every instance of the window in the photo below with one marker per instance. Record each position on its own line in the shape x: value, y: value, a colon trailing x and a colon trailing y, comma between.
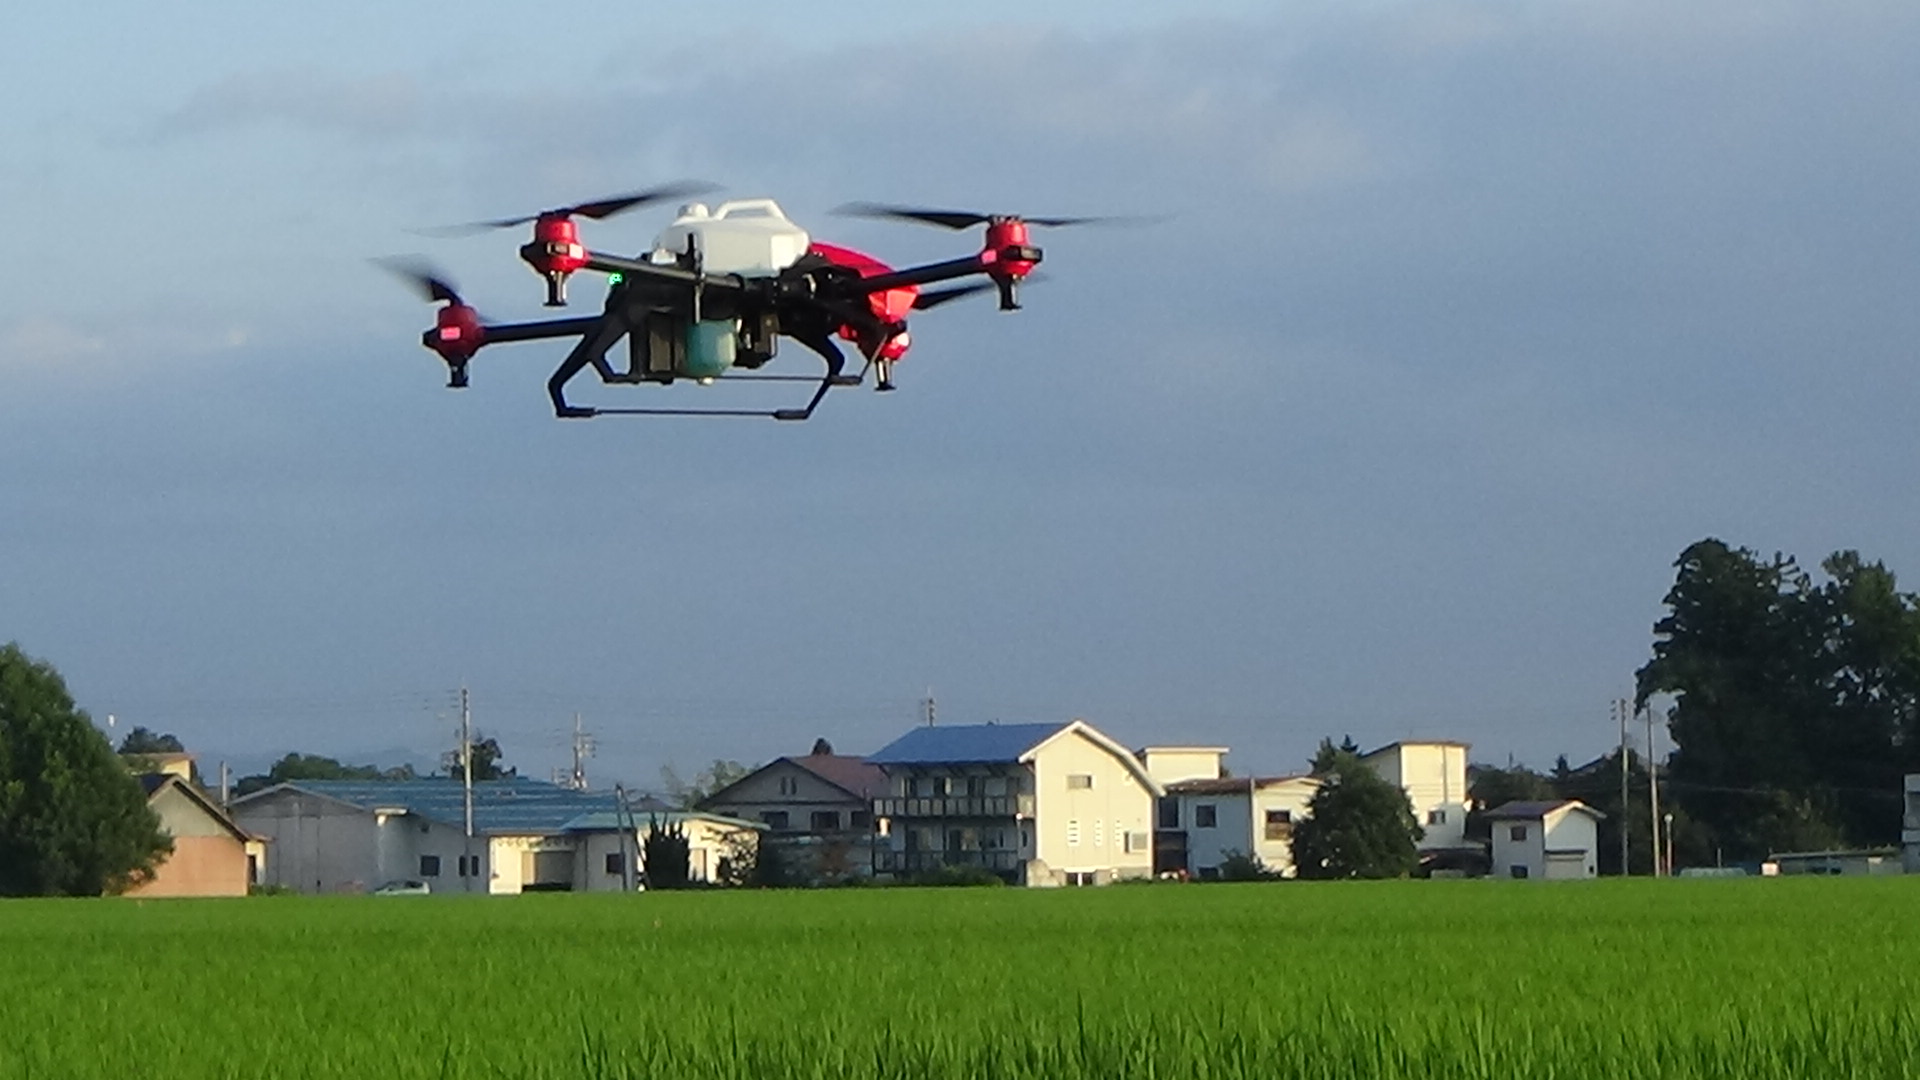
x: 616, y: 862
x: 1169, y: 813
x: 789, y: 786
x: 1136, y: 842
x: 975, y: 786
x: 1436, y: 817
x: 1517, y: 871
x: 941, y: 786
x: 859, y: 819
x: 1206, y: 816
x: 429, y: 866
x: 1081, y: 877
x: 1079, y: 781
x: 826, y: 820
x: 774, y: 819
x: 1073, y: 832
x: 1279, y: 824
x: 469, y: 865
x: 1518, y: 832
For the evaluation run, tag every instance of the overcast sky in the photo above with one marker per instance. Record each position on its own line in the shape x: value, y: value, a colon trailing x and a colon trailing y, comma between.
x: 1469, y: 317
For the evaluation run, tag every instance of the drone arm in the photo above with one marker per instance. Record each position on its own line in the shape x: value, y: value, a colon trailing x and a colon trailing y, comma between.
x: 535, y: 331
x: 922, y: 275
x: 673, y: 275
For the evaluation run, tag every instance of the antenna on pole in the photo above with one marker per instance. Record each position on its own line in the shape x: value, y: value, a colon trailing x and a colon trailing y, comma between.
x: 931, y: 708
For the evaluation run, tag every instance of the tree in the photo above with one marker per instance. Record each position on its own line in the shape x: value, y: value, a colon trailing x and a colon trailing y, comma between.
x: 486, y: 755
x: 1488, y: 787
x: 1359, y: 825
x: 141, y: 741
x: 297, y: 766
x: 663, y: 855
x: 73, y: 820
x: 687, y: 794
x: 821, y: 748
x: 1796, y: 705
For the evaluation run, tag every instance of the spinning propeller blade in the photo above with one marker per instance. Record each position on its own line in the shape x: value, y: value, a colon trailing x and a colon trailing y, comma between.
x: 430, y: 282
x: 933, y: 298
x: 961, y: 219
x: 595, y: 210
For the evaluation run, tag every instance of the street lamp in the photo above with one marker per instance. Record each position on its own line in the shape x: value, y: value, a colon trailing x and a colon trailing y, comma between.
x: 1669, y: 849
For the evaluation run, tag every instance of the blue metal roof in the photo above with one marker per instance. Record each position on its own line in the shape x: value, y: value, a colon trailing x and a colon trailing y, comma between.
x: 513, y: 805
x: 972, y: 744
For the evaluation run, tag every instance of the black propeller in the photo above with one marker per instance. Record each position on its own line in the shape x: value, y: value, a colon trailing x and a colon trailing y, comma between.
x: 962, y: 219
x: 933, y: 298
x: 431, y: 283
x: 595, y: 210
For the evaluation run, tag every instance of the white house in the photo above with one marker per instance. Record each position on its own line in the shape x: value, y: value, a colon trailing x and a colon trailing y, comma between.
x: 1041, y: 804
x: 1219, y: 817
x: 333, y: 836
x: 1551, y: 841
x: 1910, y: 826
x: 1433, y: 773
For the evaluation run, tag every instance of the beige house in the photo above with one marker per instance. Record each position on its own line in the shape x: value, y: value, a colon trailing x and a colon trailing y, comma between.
x: 1040, y: 804
x: 212, y: 855
x: 817, y: 809
x: 1433, y: 773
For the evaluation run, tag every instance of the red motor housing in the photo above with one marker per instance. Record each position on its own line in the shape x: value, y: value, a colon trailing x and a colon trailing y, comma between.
x: 555, y: 253
x: 456, y: 335
x: 1009, y: 252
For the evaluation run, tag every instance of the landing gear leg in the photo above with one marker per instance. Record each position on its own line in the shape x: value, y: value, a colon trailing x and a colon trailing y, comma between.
x: 592, y: 350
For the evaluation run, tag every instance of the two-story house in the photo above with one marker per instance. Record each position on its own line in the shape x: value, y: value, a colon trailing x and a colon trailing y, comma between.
x: 818, y: 811
x: 1040, y: 804
x: 1224, y: 816
x: 1433, y: 773
x: 1552, y: 841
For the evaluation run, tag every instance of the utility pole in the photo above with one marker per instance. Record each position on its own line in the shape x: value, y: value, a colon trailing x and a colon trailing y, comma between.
x: 1620, y: 710
x: 466, y: 783
x: 1653, y: 792
x: 225, y: 789
x: 582, y: 750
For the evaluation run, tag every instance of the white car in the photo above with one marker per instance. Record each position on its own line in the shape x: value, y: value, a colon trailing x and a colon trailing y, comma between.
x: 404, y: 888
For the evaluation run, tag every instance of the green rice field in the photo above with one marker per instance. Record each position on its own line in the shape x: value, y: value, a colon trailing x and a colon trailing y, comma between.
x: 1710, y: 978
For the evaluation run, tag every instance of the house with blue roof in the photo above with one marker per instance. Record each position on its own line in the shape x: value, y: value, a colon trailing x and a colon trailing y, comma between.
x: 1038, y: 804
x: 331, y: 836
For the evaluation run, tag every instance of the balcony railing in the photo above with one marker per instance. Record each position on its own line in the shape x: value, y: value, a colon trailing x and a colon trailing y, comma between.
x: 955, y: 806
x: 887, y: 861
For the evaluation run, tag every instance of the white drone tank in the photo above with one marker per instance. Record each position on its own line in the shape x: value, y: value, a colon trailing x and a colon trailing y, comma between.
x: 749, y: 237
x: 745, y: 236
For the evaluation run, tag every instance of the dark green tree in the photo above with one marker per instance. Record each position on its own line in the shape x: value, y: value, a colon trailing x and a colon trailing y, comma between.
x: 1795, y: 705
x: 1489, y: 787
x: 663, y: 855
x: 487, y: 756
x: 297, y: 766
x: 144, y: 741
x: 1358, y: 826
x: 73, y: 820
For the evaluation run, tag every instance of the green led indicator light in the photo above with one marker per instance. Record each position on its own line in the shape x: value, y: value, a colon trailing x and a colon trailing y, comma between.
x: 614, y: 278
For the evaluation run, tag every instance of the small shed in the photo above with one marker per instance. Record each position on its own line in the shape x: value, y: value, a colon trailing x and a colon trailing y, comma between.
x: 1555, y: 840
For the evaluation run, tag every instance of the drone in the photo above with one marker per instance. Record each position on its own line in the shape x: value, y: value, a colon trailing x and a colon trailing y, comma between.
x: 719, y: 289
